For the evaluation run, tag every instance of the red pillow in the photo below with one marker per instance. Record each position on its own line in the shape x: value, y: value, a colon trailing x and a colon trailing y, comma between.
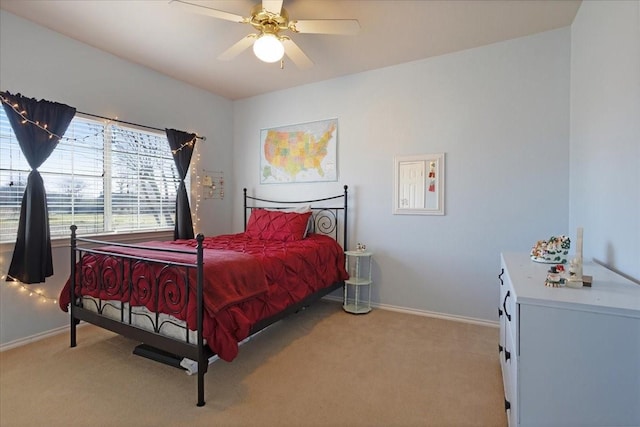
x: 275, y: 225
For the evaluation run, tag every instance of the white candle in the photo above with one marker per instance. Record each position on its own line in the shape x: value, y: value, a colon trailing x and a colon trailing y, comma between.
x: 579, y: 243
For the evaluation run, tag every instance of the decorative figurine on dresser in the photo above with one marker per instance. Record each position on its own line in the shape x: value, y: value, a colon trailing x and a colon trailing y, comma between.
x: 358, y: 264
x: 555, y: 251
x: 569, y: 357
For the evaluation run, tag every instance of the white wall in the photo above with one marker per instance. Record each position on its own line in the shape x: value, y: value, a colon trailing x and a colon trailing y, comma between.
x: 605, y: 132
x: 501, y: 115
x: 42, y: 64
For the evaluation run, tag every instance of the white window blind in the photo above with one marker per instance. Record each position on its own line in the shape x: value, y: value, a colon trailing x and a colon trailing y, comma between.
x: 103, y: 177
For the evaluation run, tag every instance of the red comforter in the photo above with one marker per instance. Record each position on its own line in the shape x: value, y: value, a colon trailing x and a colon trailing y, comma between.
x: 246, y: 280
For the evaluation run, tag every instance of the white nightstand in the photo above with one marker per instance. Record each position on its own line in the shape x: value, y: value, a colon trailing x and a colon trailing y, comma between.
x: 358, y: 265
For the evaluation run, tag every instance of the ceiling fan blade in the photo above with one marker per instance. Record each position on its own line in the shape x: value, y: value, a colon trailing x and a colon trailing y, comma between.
x: 202, y: 10
x: 296, y: 54
x: 273, y: 6
x: 326, y: 26
x: 237, y: 48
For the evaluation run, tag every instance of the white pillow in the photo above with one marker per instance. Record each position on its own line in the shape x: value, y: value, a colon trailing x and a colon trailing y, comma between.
x: 299, y: 209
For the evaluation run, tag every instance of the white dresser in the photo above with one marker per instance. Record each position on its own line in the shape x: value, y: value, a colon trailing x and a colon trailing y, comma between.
x: 569, y: 357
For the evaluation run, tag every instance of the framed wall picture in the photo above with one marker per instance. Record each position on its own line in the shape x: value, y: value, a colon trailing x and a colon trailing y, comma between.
x: 418, y: 184
x: 305, y: 152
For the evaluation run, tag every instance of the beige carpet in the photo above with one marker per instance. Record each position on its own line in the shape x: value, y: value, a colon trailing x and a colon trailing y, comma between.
x: 320, y: 367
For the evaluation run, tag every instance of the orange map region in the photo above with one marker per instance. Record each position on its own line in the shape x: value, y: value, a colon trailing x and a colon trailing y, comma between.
x: 293, y: 152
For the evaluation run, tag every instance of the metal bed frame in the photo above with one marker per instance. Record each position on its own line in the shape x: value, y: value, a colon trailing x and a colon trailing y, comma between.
x: 155, y: 345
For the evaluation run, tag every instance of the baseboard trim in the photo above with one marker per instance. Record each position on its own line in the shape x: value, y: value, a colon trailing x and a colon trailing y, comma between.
x: 425, y: 313
x: 37, y: 337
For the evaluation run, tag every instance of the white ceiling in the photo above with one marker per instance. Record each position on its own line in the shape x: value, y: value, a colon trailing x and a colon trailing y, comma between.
x: 185, y: 45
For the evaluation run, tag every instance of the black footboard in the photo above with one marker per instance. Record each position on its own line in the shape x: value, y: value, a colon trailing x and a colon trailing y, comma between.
x: 109, y: 279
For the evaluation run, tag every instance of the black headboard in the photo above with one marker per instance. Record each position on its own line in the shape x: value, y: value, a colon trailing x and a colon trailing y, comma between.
x: 329, y: 217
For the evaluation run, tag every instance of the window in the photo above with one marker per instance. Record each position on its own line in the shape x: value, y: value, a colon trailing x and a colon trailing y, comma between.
x: 103, y: 177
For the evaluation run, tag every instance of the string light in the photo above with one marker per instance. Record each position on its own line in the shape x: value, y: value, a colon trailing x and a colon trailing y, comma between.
x: 186, y: 144
x: 37, y: 293
x: 195, y: 212
x: 26, y: 120
x: 45, y: 127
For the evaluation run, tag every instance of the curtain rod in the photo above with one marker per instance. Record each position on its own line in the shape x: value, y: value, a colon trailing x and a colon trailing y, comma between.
x: 204, y: 138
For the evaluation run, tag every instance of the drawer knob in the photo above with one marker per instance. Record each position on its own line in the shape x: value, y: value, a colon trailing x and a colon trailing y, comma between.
x: 507, y: 405
x: 507, y: 355
x: 500, y: 276
x: 500, y: 348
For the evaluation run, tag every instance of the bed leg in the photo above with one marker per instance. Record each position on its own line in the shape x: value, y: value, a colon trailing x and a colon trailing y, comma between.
x: 72, y: 287
x: 203, y: 361
x: 73, y: 333
x: 200, y: 387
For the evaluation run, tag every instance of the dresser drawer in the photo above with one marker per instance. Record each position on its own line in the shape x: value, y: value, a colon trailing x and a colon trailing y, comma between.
x: 509, y: 364
x: 507, y: 314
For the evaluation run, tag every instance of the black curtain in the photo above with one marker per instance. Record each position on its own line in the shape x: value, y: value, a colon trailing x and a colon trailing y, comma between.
x: 32, y: 261
x: 182, y: 144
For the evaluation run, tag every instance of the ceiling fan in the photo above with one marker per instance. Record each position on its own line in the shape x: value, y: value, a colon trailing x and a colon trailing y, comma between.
x: 270, y: 19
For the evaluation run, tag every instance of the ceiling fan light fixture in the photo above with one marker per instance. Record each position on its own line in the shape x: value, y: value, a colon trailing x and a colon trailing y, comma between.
x: 268, y: 48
